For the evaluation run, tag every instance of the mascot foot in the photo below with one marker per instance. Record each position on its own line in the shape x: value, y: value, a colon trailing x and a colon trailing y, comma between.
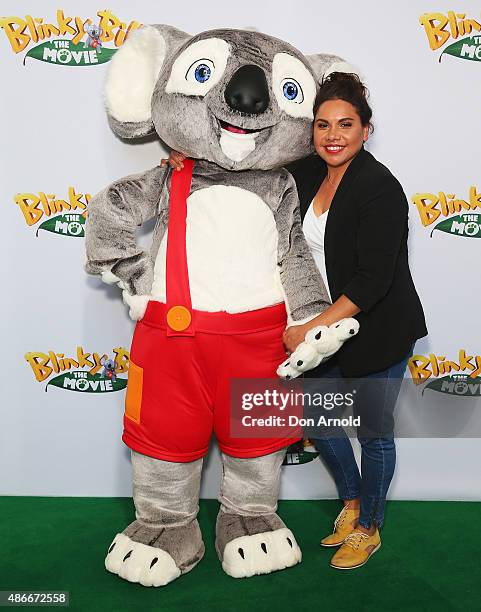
x: 254, y: 545
x: 155, y: 557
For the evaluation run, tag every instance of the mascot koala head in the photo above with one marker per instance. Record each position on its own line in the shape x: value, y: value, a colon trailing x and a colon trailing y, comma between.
x: 240, y: 99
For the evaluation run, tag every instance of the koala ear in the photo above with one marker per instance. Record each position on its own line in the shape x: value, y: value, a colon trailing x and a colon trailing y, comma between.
x: 323, y: 64
x: 132, y: 75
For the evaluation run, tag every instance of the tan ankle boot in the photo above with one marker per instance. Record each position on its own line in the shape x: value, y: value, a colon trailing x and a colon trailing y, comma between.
x: 342, y: 527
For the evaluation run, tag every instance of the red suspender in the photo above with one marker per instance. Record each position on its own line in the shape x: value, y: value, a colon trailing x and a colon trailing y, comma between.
x: 179, y: 304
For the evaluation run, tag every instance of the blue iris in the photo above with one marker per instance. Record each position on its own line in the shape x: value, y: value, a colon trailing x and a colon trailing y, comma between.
x: 202, y: 73
x: 290, y: 90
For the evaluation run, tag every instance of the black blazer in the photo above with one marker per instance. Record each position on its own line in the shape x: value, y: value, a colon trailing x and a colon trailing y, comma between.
x: 366, y: 254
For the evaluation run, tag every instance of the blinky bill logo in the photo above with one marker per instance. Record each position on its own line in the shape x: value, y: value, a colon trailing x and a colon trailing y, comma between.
x: 461, y: 378
x: 439, y: 28
x: 86, y: 373
x: 74, y: 51
x: 71, y: 222
x: 431, y: 206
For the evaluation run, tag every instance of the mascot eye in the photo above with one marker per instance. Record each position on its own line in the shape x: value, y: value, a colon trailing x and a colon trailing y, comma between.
x: 292, y: 91
x: 200, y: 71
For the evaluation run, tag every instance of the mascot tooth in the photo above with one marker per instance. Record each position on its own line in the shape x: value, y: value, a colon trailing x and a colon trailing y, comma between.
x: 237, y: 146
x: 227, y: 269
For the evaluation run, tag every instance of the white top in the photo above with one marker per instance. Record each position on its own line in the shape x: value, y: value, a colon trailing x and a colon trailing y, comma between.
x: 314, y: 229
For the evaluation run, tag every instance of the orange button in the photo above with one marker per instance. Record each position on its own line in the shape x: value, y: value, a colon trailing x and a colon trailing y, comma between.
x: 178, y: 318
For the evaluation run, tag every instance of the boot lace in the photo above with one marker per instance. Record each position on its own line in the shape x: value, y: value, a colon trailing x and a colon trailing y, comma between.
x: 355, y: 538
x: 341, y: 517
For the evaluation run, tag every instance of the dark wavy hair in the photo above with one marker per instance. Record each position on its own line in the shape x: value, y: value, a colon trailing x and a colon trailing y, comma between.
x: 348, y: 87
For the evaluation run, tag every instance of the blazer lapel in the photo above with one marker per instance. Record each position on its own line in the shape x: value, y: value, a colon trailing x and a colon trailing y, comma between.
x: 348, y: 178
x: 344, y: 188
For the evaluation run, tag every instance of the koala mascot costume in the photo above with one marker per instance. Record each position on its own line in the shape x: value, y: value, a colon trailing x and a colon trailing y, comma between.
x: 228, y: 266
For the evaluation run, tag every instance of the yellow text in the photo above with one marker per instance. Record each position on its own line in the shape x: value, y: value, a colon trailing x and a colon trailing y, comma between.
x: 430, y: 206
x: 439, y: 28
x: 34, y: 206
x: 23, y: 31
x: 422, y: 367
x: 45, y: 364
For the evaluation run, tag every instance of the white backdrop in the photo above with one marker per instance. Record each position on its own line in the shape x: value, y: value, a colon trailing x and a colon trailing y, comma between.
x: 55, y: 137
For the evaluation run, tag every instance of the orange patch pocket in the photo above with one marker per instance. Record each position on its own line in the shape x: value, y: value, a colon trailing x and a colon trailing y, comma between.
x: 133, y: 398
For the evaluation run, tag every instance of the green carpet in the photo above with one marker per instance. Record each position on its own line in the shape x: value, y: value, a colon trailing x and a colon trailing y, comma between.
x: 430, y: 559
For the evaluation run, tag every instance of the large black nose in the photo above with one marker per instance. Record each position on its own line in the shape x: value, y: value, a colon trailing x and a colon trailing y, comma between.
x: 247, y: 90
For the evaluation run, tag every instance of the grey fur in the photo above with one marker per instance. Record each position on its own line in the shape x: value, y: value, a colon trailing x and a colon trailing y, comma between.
x: 166, y: 494
x: 232, y: 526
x: 128, y: 129
x: 113, y: 216
x: 251, y: 486
x: 166, y: 498
x: 184, y: 544
x: 322, y: 62
x: 248, y: 497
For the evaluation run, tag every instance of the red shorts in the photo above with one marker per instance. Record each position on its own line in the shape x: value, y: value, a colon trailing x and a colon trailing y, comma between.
x: 178, y: 391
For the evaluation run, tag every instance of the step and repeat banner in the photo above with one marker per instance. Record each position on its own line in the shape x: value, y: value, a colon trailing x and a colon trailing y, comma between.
x: 66, y: 337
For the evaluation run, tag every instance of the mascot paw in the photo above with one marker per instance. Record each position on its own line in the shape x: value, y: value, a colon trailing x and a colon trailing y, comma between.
x: 140, y: 563
x: 109, y: 278
x: 261, y: 553
x: 345, y: 328
x: 245, y: 555
x: 286, y: 371
x: 137, y: 304
x: 155, y: 557
x: 319, y: 344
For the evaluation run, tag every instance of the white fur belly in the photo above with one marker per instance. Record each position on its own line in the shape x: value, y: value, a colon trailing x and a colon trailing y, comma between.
x: 231, y: 252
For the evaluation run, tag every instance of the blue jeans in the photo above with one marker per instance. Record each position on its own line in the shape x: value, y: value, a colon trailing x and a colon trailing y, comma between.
x: 378, y: 454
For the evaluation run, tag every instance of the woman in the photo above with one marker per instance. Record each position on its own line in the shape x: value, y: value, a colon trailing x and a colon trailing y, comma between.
x: 355, y: 219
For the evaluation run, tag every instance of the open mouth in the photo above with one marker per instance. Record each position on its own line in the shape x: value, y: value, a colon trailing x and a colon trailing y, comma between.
x: 237, y: 142
x: 334, y: 148
x: 234, y: 129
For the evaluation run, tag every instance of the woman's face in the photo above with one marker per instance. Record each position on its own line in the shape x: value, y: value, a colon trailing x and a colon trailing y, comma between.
x: 338, y: 133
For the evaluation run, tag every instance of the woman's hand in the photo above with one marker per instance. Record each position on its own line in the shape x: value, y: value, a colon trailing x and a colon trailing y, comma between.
x: 175, y: 160
x: 293, y: 336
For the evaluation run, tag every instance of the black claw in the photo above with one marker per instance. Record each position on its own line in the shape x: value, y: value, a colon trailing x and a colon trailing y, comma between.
x: 111, y: 548
x: 241, y: 553
x: 264, y: 547
x: 127, y: 555
x: 299, y: 363
x: 154, y: 561
x: 290, y: 542
x: 318, y: 336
